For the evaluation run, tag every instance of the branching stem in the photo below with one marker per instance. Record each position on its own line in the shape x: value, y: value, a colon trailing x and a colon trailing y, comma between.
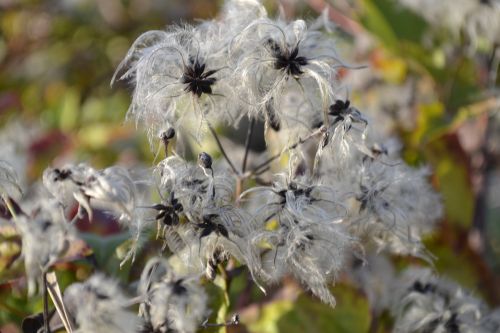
x: 221, y: 148
x: 301, y: 141
x: 247, y: 144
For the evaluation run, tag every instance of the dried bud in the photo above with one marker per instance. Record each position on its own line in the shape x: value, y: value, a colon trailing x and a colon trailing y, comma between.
x: 339, y: 107
x: 205, y: 160
x: 168, y: 134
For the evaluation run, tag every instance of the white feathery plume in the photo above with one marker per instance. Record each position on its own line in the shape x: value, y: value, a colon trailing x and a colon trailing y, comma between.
x: 99, y: 305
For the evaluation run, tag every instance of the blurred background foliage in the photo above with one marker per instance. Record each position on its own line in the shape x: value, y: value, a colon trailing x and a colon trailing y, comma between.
x: 424, y: 85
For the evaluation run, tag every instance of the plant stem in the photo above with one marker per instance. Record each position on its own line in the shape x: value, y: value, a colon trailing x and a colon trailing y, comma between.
x: 247, y: 144
x: 219, y: 144
x: 226, y: 324
x: 482, y: 163
x: 493, y: 64
x: 292, y: 146
x: 165, y: 147
x: 239, y: 188
x: 10, y: 207
x: 45, y: 304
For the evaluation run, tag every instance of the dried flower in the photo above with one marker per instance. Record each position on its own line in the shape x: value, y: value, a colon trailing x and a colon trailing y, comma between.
x: 112, y: 186
x: 425, y: 303
x: 299, y: 199
x: 275, y: 56
x: 314, y: 253
x: 376, y: 277
x: 181, y: 66
x: 193, y: 187
x: 100, y: 306
x: 45, y: 237
x: 491, y: 322
x: 344, y: 140
x: 392, y: 200
x: 173, y: 303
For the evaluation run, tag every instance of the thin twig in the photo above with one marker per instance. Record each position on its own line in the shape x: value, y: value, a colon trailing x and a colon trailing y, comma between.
x: 45, y: 304
x: 239, y: 188
x: 12, y: 207
x: 247, y: 144
x: 482, y: 166
x: 256, y: 170
x: 56, y: 296
x: 219, y: 144
x: 165, y: 147
x: 493, y: 64
x: 235, y: 320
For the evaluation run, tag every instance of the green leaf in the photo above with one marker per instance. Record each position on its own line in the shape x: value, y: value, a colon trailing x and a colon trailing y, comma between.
x: 375, y: 21
x: 455, y: 266
x: 219, y: 303
x: 453, y: 183
x: 308, y: 314
x: 391, y: 22
x: 104, y: 248
x: 429, y: 122
x: 402, y: 32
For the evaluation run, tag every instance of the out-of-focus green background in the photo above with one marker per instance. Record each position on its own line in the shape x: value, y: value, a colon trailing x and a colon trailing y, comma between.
x: 57, y: 58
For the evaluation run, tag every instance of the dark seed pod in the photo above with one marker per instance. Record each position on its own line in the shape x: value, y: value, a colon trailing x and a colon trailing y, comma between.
x: 339, y: 107
x: 168, y: 134
x: 197, y: 80
x: 178, y: 287
x: 423, y: 288
x: 168, y: 220
x: 222, y: 230
x: 205, y: 160
x: 62, y: 174
x: 178, y: 207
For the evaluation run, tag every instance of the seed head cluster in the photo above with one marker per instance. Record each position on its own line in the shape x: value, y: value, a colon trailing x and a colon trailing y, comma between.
x: 342, y: 205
